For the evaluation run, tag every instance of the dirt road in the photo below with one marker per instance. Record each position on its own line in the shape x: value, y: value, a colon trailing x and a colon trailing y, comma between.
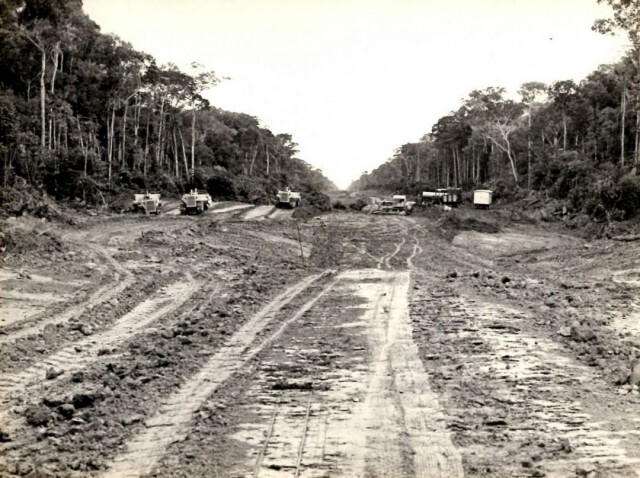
x: 222, y: 345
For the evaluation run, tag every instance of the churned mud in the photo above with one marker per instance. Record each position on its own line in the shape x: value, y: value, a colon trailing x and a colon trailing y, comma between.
x: 244, y: 342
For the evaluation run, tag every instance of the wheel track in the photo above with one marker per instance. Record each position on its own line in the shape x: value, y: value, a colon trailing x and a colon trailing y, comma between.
x: 34, y: 325
x: 416, y: 250
x: 535, y: 381
x: 83, y: 352
x: 396, y: 431
x: 399, y: 393
x: 305, y: 429
x: 171, y: 422
x: 268, y: 436
x: 390, y: 256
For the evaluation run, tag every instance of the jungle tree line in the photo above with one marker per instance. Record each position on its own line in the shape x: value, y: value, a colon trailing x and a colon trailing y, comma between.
x: 577, y: 141
x: 80, y: 109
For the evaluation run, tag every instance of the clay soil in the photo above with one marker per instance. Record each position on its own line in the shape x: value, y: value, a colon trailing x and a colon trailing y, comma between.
x: 245, y: 342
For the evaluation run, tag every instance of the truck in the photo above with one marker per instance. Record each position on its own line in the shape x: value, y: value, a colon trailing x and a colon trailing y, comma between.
x: 430, y: 198
x: 288, y: 198
x: 149, y: 203
x: 451, y: 197
x: 482, y: 198
x: 195, y: 201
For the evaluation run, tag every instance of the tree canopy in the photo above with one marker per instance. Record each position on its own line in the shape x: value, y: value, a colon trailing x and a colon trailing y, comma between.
x: 578, y: 142
x: 84, y: 112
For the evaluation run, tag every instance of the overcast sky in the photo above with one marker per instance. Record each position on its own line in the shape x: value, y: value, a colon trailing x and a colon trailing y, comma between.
x: 352, y: 80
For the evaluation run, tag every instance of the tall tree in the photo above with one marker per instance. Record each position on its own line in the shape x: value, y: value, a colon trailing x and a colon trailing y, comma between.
x: 562, y: 92
x: 202, y: 81
x: 531, y: 94
x: 626, y: 18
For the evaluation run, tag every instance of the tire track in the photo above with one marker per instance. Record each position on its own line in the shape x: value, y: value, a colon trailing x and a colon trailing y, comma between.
x: 36, y: 324
x: 543, y: 386
x: 258, y: 212
x: 277, y: 213
x: 416, y: 250
x: 400, y: 419
x: 329, y: 430
x: 83, y: 352
x: 390, y: 256
x: 171, y: 422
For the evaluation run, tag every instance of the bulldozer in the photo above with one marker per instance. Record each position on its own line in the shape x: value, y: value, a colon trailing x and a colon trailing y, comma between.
x: 397, y: 205
x: 195, y: 201
x: 288, y: 198
x: 149, y: 203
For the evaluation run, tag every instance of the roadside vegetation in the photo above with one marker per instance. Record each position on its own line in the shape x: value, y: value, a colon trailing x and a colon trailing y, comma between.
x: 86, y: 118
x: 578, y: 143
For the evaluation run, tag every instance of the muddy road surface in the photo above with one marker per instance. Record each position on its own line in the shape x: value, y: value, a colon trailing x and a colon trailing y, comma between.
x: 242, y: 342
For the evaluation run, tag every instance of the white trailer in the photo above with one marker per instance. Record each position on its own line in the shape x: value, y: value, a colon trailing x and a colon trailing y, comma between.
x: 482, y: 198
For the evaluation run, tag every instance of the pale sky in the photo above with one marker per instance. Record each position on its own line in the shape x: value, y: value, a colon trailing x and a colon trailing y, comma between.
x: 351, y: 80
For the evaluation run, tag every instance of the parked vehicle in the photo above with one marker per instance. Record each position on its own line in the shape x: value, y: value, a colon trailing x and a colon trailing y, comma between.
x: 430, y: 198
x: 482, y: 198
x: 397, y: 205
x: 451, y: 197
x: 288, y: 198
x: 149, y: 203
x: 195, y: 202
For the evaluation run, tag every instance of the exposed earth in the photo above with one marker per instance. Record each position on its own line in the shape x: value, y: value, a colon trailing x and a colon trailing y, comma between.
x: 245, y: 342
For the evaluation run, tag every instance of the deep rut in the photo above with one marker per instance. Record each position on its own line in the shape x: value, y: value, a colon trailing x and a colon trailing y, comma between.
x: 533, y: 391
x: 372, y: 414
x: 171, y: 422
x: 83, y: 352
x: 122, y: 279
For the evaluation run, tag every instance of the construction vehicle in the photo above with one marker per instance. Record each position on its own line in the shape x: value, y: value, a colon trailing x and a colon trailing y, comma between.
x: 397, y: 205
x: 430, y: 198
x: 149, y: 203
x: 450, y: 197
x: 482, y: 198
x: 195, y: 201
x: 288, y: 198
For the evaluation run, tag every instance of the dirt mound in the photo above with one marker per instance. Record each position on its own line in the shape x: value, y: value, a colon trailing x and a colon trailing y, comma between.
x: 23, y: 199
x: 306, y: 212
x: 19, y: 238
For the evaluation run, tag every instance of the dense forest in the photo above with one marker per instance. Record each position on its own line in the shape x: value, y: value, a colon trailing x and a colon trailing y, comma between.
x: 83, y: 115
x: 577, y: 142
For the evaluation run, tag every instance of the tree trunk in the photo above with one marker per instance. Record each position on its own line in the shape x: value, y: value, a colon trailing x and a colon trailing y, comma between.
x: 160, y: 131
x: 637, y: 139
x: 146, y: 147
x: 50, y: 131
x: 253, y: 160
x: 136, y: 121
x: 176, y: 154
x: 85, y: 150
x: 43, y: 122
x: 56, y: 57
x: 184, y: 152
x: 564, y: 131
x: 193, y: 141
x: 111, y: 131
x: 123, y: 145
x: 529, y: 150
x: 623, y: 114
